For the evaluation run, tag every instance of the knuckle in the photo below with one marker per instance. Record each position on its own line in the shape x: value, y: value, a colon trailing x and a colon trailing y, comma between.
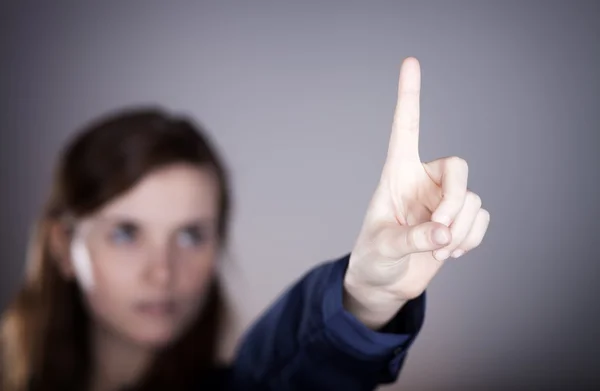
x: 453, y: 203
x: 413, y: 238
x: 409, y: 93
x: 474, y: 199
x: 475, y: 241
x: 413, y: 123
x: 409, y: 239
x: 476, y: 237
x: 458, y: 163
x: 456, y: 197
x: 485, y: 215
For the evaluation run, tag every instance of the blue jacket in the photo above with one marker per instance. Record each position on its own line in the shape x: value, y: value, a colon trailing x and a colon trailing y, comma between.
x: 307, y: 341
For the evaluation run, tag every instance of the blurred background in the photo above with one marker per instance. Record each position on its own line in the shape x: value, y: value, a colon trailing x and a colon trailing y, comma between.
x: 299, y: 97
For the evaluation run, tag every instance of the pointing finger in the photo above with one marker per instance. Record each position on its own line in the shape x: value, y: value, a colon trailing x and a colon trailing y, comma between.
x: 404, y: 141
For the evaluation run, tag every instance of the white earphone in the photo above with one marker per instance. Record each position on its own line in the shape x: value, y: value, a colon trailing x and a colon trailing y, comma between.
x: 82, y: 262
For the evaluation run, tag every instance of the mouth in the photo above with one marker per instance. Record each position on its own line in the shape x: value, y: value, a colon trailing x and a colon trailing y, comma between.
x: 162, y: 308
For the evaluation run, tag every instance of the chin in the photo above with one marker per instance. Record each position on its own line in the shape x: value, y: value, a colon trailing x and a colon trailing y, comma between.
x: 154, y: 339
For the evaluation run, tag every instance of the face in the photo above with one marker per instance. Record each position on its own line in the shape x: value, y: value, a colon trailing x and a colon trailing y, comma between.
x: 144, y: 261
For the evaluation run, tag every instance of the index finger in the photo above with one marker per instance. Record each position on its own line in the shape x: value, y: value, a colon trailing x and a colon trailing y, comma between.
x: 404, y: 141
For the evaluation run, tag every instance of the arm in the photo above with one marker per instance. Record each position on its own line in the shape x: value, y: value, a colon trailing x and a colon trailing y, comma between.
x: 307, y: 340
x: 420, y: 214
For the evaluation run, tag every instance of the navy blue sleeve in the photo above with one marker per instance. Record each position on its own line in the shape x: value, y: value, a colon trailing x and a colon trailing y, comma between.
x: 307, y: 341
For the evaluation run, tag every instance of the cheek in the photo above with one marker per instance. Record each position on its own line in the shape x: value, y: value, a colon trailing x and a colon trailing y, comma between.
x: 193, y: 277
x: 113, y: 286
x: 192, y: 282
x: 192, y: 291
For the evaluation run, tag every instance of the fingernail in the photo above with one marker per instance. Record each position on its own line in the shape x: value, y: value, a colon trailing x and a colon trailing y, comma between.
x: 440, y: 236
x: 457, y: 253
x: 441, y: 255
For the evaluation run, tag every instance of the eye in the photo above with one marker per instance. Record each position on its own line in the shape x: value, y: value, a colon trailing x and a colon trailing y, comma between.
x: 124, y: 233
x: 191, y: 237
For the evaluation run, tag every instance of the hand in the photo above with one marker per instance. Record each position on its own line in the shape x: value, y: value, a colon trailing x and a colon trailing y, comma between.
x: 420, y: 214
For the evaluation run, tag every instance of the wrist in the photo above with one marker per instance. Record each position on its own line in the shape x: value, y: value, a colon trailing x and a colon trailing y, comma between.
x: 373, y: 306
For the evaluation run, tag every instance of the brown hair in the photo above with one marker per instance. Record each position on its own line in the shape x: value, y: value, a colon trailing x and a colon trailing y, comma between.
x: 44, y: 330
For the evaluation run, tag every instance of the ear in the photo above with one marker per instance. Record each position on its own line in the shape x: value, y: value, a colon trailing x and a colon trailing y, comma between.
x: 60, y: 240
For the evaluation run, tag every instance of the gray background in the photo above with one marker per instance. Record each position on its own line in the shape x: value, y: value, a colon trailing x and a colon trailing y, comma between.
x: 299, y: 97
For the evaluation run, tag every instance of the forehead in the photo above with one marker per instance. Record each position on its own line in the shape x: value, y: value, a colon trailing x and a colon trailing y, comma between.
x: 170, y: 195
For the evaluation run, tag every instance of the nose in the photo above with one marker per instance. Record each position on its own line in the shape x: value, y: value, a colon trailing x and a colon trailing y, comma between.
x: 160, y: 267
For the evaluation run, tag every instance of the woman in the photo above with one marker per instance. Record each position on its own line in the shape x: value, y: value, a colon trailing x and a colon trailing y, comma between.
x: 122, y: 291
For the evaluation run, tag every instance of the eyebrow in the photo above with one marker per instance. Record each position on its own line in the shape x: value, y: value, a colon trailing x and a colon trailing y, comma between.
x: 192, y: 221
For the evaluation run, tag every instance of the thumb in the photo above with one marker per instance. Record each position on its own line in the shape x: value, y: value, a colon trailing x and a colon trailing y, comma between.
x: 428, y: 236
